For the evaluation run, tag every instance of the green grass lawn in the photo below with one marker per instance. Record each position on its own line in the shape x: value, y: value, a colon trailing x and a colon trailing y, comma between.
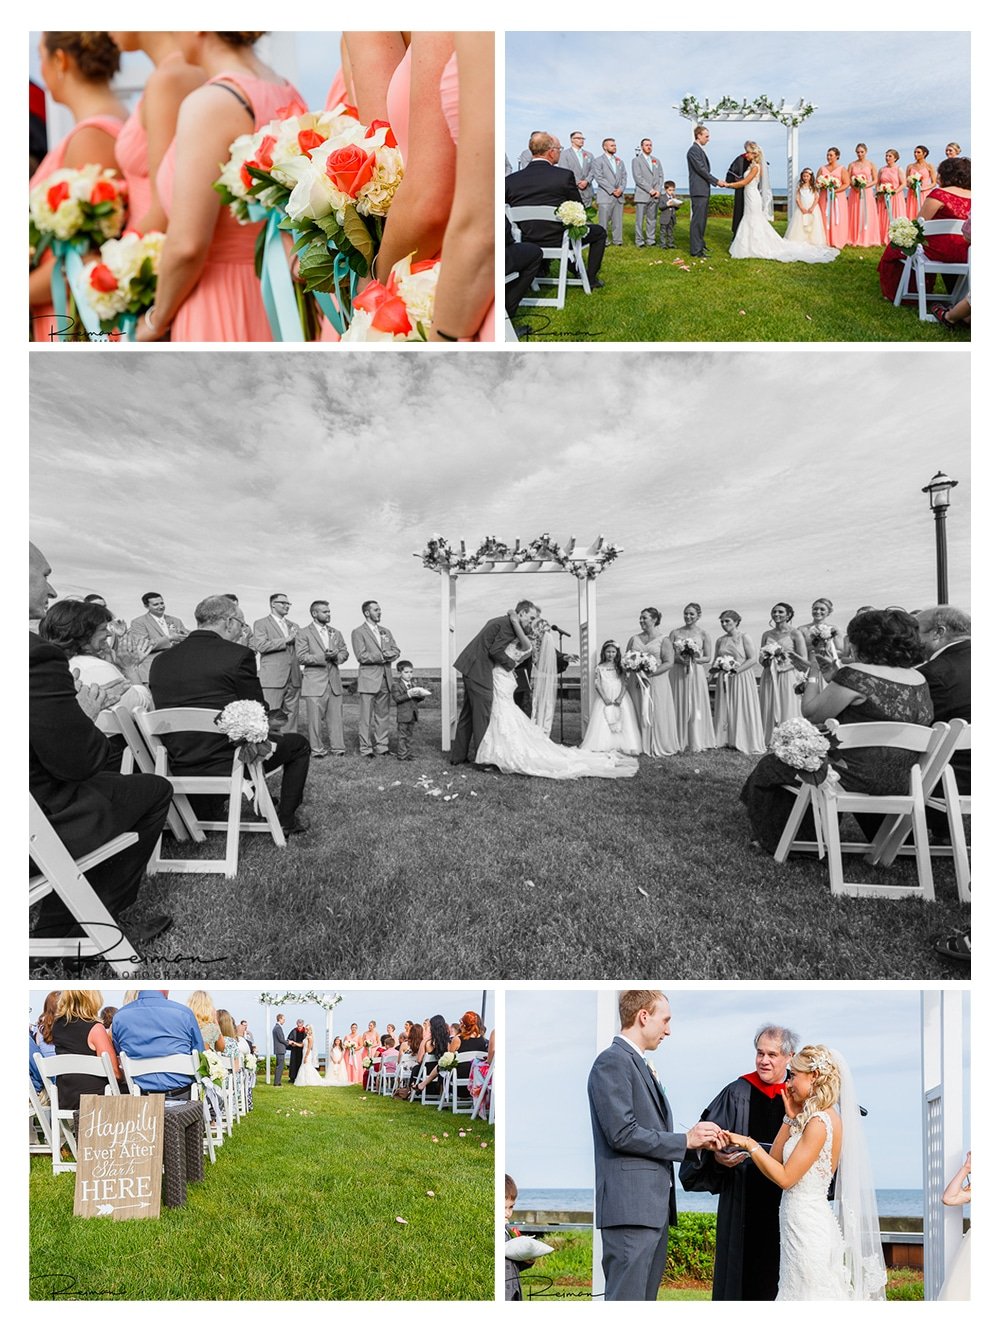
x: 296, y: 1207
x: 647, y: 298
x: 526, y: 877
x: 565, y: 1274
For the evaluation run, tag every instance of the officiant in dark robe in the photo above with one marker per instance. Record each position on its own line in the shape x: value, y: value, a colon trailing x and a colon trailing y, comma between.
x: 747, y: 1250
x: 295, y: 1042
x: 737, y: 170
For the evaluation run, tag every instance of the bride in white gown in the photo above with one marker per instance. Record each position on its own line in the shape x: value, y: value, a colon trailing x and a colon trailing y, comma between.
x: 516, y: 745
x: 309, y: 1075
x: 756, y: 238
x: 826, y: 1254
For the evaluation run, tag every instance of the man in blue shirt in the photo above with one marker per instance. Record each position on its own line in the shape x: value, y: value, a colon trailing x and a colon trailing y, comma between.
x: 153, y: 1025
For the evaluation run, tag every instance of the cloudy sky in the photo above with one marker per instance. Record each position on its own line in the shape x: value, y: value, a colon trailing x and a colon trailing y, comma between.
x: 888, y: 90
x: 735, y: 479
x: 551, y: 1041
x: 386, y: 1004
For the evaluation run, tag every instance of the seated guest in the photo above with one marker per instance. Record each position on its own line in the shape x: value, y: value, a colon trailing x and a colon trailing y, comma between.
x: 208, y: 670
x: 66, y: 766
x: 78, y: 1031
x: 946, y: 636
x: 42, y: 1031
x: 33, y: 1072
x: 525, y: 260
x: 437, y: 1043
x: 82, y: 631
x: 230, y: 1041
x: 543, y: 182
x: 107, y: 1014
x: 152, y: 1026
x: 201, y: 1006
x: 881, y: 684
x: 951, y: 199
x: 471, y: 1034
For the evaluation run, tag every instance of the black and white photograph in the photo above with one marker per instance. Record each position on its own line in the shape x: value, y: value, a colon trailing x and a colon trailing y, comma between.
x: 667, y: 652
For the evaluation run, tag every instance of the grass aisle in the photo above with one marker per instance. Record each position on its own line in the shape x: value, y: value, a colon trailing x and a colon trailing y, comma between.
x: 525, y: 877
x: 649, y: 298
x: 300, y: 1205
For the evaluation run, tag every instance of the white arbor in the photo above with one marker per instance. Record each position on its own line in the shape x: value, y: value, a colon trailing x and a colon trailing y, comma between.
x: 540, y: 556
x: 761, y: 109
x: 328, y: 1001
x: 944, y: 1148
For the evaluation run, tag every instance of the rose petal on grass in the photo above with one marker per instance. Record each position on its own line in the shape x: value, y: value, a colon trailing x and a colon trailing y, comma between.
x: 430, y: 1195
x: 529, y: 884
x: 742, y: 312
x: 434, y: 1139
x: 401, y: 1220
x: 642, y: 892
x: 483, y: 1144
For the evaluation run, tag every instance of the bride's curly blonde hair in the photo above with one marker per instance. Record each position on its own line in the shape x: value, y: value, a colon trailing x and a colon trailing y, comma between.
x: 754, y: 152
x: 817, y: 1060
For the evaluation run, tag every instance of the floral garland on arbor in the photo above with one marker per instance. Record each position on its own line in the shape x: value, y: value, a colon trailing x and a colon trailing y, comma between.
x: 693, y: 109
x: 323, y: 999
x: 439, y: 554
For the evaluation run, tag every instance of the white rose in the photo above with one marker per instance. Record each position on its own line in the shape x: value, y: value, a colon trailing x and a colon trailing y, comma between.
x: 239, y: 152
x: 314, y: 194
x: 417, y: 290
x: 105, y: 305
x: 360, y: 331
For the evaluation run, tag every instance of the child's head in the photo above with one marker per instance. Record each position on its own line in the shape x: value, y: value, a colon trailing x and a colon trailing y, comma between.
x: 509, y: 1195
x: 611, y: 653
x: 806, y: 176
x: 670, y: 185
x: 404, y: 667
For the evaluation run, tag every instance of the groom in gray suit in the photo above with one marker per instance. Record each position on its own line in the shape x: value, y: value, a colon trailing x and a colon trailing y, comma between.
x: 700, y: 182
x: 635, y: 1148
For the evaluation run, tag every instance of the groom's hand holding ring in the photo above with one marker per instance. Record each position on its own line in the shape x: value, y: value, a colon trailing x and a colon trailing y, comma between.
x: 706, y: 1134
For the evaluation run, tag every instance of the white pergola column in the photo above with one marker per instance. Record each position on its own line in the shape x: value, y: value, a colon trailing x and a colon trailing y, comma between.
x: 605, y: 1028
x: 792, y: 149
x: 944, y: 1150
x: 449, y: 679
x: 586, y: 597
x: 267, y: 1044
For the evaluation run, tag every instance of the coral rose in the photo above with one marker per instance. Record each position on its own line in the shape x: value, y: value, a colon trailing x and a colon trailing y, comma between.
x: 350, y: 168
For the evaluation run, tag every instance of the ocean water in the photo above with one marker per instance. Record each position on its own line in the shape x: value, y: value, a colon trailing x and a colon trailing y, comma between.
x: 891, y: 1203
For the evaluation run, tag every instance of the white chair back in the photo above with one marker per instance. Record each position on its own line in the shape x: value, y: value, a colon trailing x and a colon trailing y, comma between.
x: 919, y: 266
x: 61, y: 1118
x: 567, y: 248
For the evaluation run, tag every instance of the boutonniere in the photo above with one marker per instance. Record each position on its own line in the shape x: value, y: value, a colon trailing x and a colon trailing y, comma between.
x: 656, y: 162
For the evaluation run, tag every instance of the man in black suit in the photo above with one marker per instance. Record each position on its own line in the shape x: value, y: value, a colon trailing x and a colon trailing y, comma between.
x: 212, y: 667
x: 296, y: 1042
x: 476, y: 663
x: 85, y: 804
x: 525, y: 259
x: 543, y: 181
x: 946, y: 634
x: 737, y: 170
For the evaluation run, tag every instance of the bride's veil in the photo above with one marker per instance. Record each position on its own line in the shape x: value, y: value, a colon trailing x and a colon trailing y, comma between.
x: 543, y: 684
x: 765, y: 189
x: 854, y: 1198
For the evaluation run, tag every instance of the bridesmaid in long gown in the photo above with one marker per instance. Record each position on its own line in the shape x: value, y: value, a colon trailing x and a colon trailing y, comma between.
x: 659, y: 733
x: 352, y: 1055
x: 208, y: 290
x: 147, y: 133
x: 77, y: 69
x: 690, y: 685
x: 835, y: 222
x: 915, y: 195
x: 822, y: 610
x: 862, y: 217
x: 737, y: 706
x: 778, y: 700
x: 891, y: 206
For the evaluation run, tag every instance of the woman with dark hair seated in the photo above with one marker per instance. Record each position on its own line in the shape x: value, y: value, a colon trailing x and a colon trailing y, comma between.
x: 880, y: 685
x: 950, y: 199
x: 437, y: 1044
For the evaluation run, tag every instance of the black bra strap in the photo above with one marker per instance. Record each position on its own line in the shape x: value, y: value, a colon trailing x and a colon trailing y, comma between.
x: 238, y: 95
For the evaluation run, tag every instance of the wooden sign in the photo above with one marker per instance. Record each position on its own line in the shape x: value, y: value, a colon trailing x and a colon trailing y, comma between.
x: 119, y: 1158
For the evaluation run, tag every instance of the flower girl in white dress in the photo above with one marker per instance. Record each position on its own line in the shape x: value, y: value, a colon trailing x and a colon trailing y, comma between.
x: 613, y: 725
x: 806, y: 227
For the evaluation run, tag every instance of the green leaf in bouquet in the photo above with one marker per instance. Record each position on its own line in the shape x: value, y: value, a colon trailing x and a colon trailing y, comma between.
x: 330, y: 228
x: 263, y: 177
x: 316, y: 267
x: 43, y: 244
x: 288, y: 225
x: 258, y: 251
x: 102, y: 209
x: 358, y: 235
x: 222, y: 191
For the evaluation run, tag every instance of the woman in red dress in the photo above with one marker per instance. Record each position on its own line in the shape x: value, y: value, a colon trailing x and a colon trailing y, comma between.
x: 951, y: 198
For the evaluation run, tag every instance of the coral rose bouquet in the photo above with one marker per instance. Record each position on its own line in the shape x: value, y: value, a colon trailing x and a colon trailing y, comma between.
x: 80, y: 207
x: 122, y: 282
x: 400, y: 310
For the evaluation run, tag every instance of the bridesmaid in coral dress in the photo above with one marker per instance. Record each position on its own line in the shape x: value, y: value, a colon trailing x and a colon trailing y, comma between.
x: 208, y: 290
x: 950, y: 200
x: 370, y: 60
x: 77, y: 69
x: 778, y: 700
x: 150, y: 128
x: 737, y: 707
x: 690, y: 685
x: 352, y: 1055
x: 862, y: 217
x: 463, y: 304
x: 920, y: 167
x: 834, y: 210
x: 891, y: 206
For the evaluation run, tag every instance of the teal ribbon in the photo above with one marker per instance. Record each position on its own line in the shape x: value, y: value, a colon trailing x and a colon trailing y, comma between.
x: 68, y: 270
x: 276, y: 285
x: 341, y: 270
x: 127, y: 326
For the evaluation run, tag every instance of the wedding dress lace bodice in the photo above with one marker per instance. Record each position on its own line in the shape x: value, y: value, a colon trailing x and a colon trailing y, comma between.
x: 812, y: 1245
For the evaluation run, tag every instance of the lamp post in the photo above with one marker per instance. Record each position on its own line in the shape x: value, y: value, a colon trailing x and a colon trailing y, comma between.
x: 938, y: 493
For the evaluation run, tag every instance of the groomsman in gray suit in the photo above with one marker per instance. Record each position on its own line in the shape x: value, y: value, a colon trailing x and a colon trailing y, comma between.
x: 700, y: 182
x: 320, y: 650
x: 274, y: 639
x: 647, y: 173
x: 581, y: 163
x: 376, y: 651
x: 609, y: 182
x: 161, y: 630
x: 635, y: 1148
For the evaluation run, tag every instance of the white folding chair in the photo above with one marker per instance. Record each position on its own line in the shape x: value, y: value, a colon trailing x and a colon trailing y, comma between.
x: 120, y: 721
x: 65, y: 875
x: 942, y: 795
x: 186, y: 1065
x: 61, y: 1118
x: 563, y: 252
x: 509, y: 333
x: 484, y: 1096
x: 459, y: 1096
x: 389, y: 1074
x: 229, y: 1093
x: 158, y: 723
x: 919, y: 266
x: 39, y: 1122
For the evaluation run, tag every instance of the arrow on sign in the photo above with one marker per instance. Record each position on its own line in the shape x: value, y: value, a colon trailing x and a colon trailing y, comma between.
x: 110, y: 1208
